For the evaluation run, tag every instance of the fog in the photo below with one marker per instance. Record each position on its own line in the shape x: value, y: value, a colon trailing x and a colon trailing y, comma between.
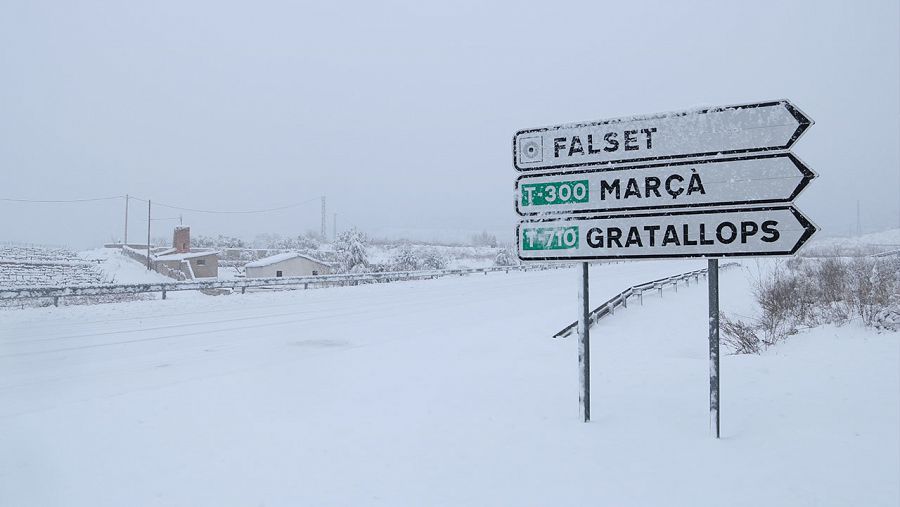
x: 402, y: 114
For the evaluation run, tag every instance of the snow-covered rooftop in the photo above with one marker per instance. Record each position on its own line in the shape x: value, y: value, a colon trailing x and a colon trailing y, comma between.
x: 274, y: 259
x: 185, y: 256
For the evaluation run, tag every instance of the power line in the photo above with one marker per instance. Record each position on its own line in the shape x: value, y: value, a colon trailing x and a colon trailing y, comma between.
x: 7, y: 199
x: 233, y: 212
x: 170, y: 206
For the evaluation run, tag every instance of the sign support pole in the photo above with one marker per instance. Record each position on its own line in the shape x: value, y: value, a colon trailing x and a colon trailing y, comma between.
x: 713, y: 280
x: 584, y: 346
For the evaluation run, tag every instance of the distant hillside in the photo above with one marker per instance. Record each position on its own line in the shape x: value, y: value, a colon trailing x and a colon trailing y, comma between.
x: 867, y: 244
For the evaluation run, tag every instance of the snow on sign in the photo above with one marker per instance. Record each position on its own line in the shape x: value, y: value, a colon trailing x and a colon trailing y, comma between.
x: 746, y: 128
x: 707, y: 233
x: 768, y: 178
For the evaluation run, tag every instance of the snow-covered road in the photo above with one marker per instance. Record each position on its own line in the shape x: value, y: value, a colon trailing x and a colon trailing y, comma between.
x: 443, y: 392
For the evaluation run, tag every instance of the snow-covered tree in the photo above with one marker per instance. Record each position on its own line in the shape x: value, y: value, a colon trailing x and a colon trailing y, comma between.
x: 484, y: 239
x: 201, y: 241
x: 266, y: 240
x: 405, y: 259
x: 248, y: 256
x: 315, y: 236
x: 432, y: 258
x: 302, y: 242
x: 223, y: 241
x: 506, y: 257
x: 351, y: 249
x: 220, y: 241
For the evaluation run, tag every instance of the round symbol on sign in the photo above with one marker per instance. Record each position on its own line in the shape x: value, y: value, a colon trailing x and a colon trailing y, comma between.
x: 531, y: 150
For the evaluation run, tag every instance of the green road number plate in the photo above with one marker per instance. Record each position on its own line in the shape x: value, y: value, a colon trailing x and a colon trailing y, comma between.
x: 550, y: 238
x: 559, y: 192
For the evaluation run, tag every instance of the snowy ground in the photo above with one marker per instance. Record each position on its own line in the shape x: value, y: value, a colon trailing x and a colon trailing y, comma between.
x: 443, y: 392
x: 877, y: 242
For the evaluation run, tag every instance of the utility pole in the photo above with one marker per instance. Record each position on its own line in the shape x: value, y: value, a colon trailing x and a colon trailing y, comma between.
x: 858, y: 228
x: 148, y: 234
x: 125, y: 241
x: 334, y: 227
x: 180, y: 219
x: 323, y: 217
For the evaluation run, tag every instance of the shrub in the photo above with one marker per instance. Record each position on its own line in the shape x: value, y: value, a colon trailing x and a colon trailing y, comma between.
x: 740, y: 336
x: 432, y: 258
x: 405, y: 259
x: 812, y: 292
x: 506, y: 257
x: 410, y: 258
x: 351, y: 248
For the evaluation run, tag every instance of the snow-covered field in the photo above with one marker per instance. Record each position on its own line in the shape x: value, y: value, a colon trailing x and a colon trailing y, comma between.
x: 121, y: 269
x: 876, y: 242
x: 444, y: 392
x: 40, y: 266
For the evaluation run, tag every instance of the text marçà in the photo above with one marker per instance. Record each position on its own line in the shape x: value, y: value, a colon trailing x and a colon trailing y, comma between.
x: 651, y: 186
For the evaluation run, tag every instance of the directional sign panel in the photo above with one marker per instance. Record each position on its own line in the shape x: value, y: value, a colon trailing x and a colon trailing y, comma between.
x: 746, y: 128
x: 769, y: 178
x: 778, y: 230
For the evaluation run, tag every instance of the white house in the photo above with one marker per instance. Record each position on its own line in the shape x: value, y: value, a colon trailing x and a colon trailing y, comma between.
x: 287, y: 264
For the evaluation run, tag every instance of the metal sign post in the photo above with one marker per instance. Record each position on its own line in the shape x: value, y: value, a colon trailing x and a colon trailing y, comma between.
x: 713, y: 279
x: 584, y: 345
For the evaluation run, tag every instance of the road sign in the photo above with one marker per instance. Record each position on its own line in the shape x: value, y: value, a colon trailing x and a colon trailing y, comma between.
x: 769, y: 178
x: 746, y: 128
x: 779, y: 230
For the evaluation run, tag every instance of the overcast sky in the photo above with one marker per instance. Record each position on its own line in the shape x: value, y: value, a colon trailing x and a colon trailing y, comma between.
x: 403, y: 113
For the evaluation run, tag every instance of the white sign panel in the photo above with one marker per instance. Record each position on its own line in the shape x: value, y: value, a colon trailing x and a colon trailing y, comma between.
x: 769, y: 178
x: 703, y: 233
x: 696, y: 133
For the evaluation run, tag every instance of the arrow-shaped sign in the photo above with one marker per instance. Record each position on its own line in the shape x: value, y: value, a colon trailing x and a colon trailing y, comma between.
x: 745, y: 128
x: 769, y: 178
x: 704, y: 233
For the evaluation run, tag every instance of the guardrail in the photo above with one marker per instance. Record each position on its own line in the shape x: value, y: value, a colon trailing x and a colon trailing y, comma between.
x: 621, y: 299
x: 886, y: 254
x: 243, y: 284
